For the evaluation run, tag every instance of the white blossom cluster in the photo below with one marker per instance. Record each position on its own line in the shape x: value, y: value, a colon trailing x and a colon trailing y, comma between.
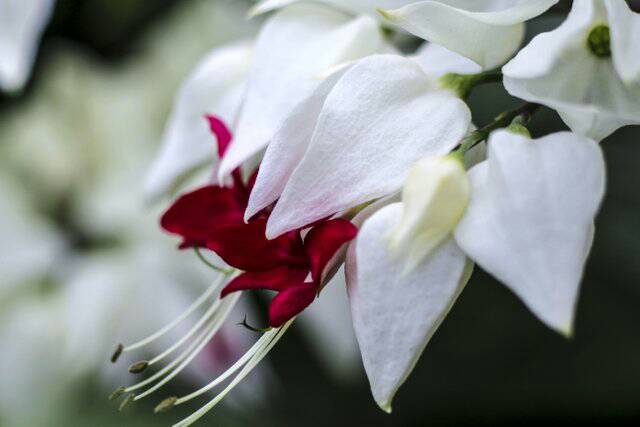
x: 345, y: 124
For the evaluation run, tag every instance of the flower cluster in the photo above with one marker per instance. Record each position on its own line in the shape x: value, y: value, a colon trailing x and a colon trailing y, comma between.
x: 350, y: 132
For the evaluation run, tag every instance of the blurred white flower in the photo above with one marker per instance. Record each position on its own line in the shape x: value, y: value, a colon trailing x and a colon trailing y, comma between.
x: 588, y: 69
x: 21, y: 25
x: 529, y: 223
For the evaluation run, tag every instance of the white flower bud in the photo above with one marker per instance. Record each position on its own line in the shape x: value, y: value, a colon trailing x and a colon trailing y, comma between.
x: 435, y: 196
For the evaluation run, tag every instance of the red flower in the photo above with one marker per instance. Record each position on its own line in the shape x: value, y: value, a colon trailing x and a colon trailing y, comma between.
x: 212, y: 217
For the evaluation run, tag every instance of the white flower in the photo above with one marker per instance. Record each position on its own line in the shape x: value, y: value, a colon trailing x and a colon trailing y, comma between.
x: 354, y: 7
x: 487, y: 31
x: 354, y: 140
x: 21, y: 25
x: 588, y: 69
x: 529, y: 223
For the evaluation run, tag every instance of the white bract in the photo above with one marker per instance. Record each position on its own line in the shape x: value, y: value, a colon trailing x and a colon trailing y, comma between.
x: 21, y: 25
x: 295, y: 47
x: 588, y: 69
x: 529, y: 223
x: 354, y: 140
x: 487, y: 31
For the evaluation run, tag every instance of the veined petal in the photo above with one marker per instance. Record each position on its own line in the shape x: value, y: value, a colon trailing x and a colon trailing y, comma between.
x: 530, y: 218
x: 625, y: 33
x: 295, y: 46
x: 395, y: 314
x: 215, y: 86
x: 382, y: 116
x: 485, y: 31
x: 21, y: 25
x: 557, y: 69
x: 287, y: 147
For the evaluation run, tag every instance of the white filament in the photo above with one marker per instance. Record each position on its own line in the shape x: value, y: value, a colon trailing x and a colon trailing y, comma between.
x: 256, y: 348
x: 226, y: 306
x: 207, y: 315
x: 193, y: 307
x: 257, y: 357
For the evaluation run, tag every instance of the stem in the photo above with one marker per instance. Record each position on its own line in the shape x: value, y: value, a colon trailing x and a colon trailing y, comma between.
x: 462, y: 84
x: 211, y: 265
x: 504, y: 119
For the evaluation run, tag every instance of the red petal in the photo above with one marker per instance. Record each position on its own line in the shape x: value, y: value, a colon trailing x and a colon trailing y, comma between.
x: 244, y: 246
x: 291, y: 301
x: 224, y: 137
x: 324, y: 240
x: 275, y: 280
x: 195, y: 215
x: 222, y: 133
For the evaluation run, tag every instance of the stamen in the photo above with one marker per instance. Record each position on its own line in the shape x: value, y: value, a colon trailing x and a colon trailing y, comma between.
x: 227, y: 305
x: 117, y: 393
x: 138, y: 367
x: 193, y: 307
x: 116, y: 354
x: 256, y: 348
x: 166, y: 404
x: 205, y: 317
x: 243, y: 373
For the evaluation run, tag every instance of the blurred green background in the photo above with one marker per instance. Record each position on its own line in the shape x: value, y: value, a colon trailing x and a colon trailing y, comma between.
x: 491, y: 363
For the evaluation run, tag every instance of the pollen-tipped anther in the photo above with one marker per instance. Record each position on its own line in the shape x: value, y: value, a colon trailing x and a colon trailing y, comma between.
x: 117, y: 393
x: 166, y: 404
x: 138, y: 367
x: 116, y: 354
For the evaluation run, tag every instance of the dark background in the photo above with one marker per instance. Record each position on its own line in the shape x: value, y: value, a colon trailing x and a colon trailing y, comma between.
x: 492, y: 362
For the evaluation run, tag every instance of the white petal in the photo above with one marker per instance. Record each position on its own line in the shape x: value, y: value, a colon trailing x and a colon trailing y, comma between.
x: 215, y: 86
x: 558, y: 70
x: 355, y: 7
x: 625, y: 36
x: 395, y: 314
x: 486, y: 31
x: 287, y: 147
x: 436, y: 61
x: 382, y: 116
x: 294, y: 47
x: 21, y: 25
x: 530, y: 218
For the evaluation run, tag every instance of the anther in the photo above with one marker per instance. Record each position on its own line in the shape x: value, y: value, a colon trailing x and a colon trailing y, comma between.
x: 138, y: 367
x: 116, y: 354
x: 117, y: 393
x: 126, y: 401
x: 166, y: 404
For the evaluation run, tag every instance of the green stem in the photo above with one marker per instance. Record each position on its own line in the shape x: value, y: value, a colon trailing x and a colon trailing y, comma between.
x: 462, y: 84
x: 504, y: 119
x: 211, y: 265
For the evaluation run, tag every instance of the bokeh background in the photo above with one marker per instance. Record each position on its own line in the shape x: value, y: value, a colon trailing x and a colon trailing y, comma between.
x: 84, y: 265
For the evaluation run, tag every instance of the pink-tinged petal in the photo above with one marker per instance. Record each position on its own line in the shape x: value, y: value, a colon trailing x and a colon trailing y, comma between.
x: 244, y: 246
x: 277, y: 279
x: 324, y: 241
x: 290, y: 302
x: 195, y: 215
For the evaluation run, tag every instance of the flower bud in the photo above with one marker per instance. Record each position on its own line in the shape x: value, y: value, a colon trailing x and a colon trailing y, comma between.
x: 435, y: 196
